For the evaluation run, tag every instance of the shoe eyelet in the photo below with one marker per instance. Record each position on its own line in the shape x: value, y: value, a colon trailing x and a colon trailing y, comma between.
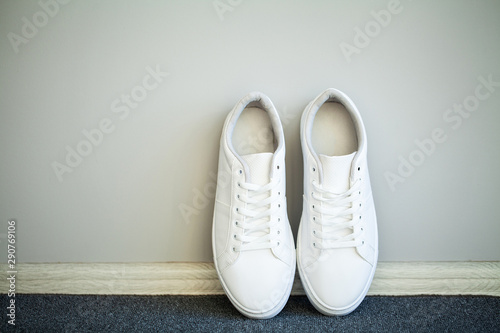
x: 314, y: 169
x: 359, y: 168
x: 362, y: 242
x: 279, y: 193
x: 277, y: 167
x: 278, y: 232
x: 314, y: 232
x: 278, y: 244
x: 241, y: 171
x: 239, y: 184
x: 234, y: 236
x: 279, y: 219
x: 362, y: 229
x: 279, y: 205
x: 360, y: 204
x: 314, y: 244
x: 313, y: 206
x: 236, y: 223
x: 234, y: 248
x: 314, y: 218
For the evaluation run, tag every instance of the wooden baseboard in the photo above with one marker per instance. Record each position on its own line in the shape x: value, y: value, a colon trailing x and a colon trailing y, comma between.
x: 391, y: 278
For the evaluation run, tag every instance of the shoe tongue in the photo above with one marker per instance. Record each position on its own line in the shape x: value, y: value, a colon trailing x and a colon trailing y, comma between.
x: 336, y: 172
x: 259, y: 166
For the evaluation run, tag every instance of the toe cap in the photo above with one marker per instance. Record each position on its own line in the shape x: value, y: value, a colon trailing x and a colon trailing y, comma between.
x: 258, y: 283
x: 338, y: 281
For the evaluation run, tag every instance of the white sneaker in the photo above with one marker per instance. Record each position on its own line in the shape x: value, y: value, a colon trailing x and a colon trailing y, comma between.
x: 252, y: 241
x: 337, y: 242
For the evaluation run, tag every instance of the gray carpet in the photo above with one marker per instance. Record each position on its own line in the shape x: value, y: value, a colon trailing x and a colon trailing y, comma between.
x: 72, y: 313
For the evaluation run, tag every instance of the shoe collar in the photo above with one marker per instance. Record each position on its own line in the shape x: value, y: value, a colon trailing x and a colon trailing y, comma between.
x: 334, y: 95
x: 262, y: 101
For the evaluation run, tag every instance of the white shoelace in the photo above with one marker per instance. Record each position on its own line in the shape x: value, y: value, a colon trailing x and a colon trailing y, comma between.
x: 257, y: 211
x: 337, y: 217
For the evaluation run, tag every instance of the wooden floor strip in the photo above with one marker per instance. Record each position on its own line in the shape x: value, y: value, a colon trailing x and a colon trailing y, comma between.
x: 391, y: 278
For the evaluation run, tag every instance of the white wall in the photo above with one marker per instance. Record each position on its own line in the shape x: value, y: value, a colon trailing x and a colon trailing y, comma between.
x: 123, y: 202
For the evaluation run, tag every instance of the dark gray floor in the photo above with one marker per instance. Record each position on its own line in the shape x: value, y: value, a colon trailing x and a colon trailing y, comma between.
x: 71, y: 313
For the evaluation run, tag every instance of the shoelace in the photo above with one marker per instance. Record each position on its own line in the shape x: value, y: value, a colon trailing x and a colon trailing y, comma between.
x: 258, y: 208
x: 337, y: 217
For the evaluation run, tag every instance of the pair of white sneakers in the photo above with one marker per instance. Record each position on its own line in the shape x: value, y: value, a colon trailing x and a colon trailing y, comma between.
x: 337, y: 242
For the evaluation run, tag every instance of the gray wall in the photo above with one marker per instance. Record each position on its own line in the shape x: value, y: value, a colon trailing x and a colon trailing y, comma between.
x: 144, y: 190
